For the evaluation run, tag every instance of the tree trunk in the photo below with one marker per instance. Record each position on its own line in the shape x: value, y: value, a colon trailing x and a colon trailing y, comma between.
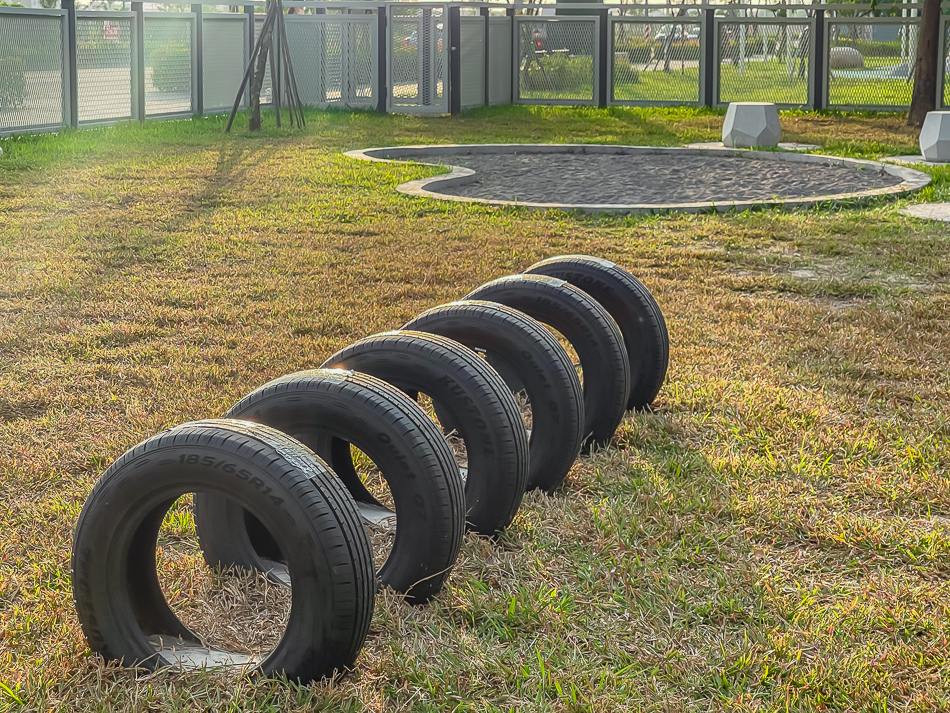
x: 267, y: 45
x: 925, y: 67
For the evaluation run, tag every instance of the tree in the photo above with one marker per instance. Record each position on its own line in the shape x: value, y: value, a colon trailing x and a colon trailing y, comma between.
x: 924, y: 98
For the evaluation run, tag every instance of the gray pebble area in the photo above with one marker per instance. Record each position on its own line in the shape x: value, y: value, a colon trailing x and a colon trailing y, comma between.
x: 613, y: 179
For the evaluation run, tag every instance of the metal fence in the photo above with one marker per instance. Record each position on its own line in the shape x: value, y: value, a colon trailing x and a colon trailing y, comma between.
x: 63, y: 67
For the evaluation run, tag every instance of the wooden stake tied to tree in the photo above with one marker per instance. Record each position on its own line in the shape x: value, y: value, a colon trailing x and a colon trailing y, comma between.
x: 262, y: 57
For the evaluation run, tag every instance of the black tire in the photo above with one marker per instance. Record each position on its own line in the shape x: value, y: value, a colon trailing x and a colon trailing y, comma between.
x: 592, y: 333
x: 527, y: 356
x: 115, y: 584
x: 470, y: 398
x: 633, y: 308
x: 327, y: 410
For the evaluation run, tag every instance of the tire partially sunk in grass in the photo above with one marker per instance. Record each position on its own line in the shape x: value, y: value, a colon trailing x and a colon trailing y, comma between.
x: 421, y: 519
x: 632, y: 307
x: 533, y: 364
x: 470, y: 400
x: 124, y: 614
x: 592, y: 333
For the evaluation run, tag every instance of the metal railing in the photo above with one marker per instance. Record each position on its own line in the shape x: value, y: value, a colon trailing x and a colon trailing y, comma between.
x: 66, y: 67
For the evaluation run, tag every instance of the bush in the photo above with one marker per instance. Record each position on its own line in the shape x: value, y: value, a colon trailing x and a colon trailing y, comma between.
x: 12, y: 83
x: 871, y: 49
x: 171, y: 67
x: 559, y: 73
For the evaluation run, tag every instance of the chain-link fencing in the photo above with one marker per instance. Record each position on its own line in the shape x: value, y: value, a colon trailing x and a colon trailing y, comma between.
x: 870, y: 62
x: 104, y: 66
x: 224, y: 53
x: 556, y: 62
x: 33, y: 82
x: 656, y: 61
x: 334, y: 59
x: 667, y: 55
x: 418, y: 43
x: 472, y: 61
x: 169, y: 72
x: 765, y: 60
x: 499, y: 60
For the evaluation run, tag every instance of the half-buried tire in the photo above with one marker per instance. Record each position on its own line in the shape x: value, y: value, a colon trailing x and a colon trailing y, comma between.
x: 470, y: 399
x: 328, y: 410
x: 590, y: 331
x: 304, y: 507
x: 529, y: 359
x: 632, y: 307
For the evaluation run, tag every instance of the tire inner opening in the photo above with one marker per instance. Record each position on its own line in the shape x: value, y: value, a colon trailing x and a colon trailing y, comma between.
x: 239, y: 616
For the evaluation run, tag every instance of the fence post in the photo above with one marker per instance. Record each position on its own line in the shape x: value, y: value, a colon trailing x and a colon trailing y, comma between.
x: 199, y: 60
x: 424, y: 47
x: 515, y: 54
x: 818, y: 68
x: 72, y: 67
x: 603, y: 48
x: 486, y: 13
x: 709, y: 57
x: 139, y: 80
x: 455, y: 60
x: 382, y: 56
x: 251, y: 30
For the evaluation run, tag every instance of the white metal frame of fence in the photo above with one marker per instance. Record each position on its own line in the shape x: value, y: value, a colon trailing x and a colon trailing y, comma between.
x: 66, y: 67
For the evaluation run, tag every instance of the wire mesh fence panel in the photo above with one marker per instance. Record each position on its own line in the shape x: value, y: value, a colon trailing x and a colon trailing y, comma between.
x: 764, y: 61
x: 104, y: 66
x: 224, y: 56
x: 869, y: 63
x: 406, y: 58
x: 472, y: 61
x: 169, y: 42
x: 556, y: 60
x: 334, y: 59
x: 499, y: 60
x: 32, y: 76
x: 655, y: 62
x: 306, y: 37
x: 417, y: 66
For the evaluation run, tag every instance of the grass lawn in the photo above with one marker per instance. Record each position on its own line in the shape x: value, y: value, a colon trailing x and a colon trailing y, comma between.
x: 775, y: 536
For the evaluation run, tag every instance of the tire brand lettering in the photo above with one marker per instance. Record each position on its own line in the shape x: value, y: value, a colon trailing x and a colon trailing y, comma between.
x: 394, y: 451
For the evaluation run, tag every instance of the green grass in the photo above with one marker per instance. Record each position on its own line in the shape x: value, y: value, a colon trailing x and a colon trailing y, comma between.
x: 758, y: 80
x: 774, y: 536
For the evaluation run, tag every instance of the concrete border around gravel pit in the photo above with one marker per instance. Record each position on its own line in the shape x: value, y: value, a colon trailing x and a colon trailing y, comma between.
x: 911, y: 180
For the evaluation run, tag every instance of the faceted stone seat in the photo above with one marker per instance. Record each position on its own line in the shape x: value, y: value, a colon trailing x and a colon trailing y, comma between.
x: 751, y: 124
x: 935, y: 136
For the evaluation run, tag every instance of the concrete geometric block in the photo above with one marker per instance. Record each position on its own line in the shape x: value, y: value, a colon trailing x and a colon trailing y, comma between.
x: 751, y: 124
x: 845, y: 58
x: 935, y: 136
